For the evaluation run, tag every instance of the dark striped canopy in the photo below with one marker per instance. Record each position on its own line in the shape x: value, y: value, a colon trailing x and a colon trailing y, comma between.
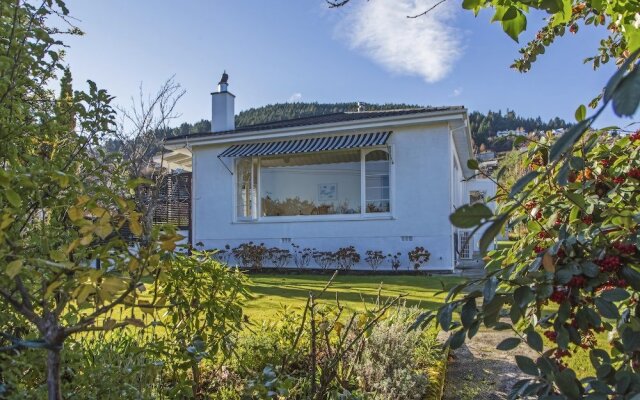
x: 307, y: 145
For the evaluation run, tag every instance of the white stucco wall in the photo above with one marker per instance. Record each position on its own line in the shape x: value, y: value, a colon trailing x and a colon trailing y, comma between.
x: 489, y: 187
x: 421, y: 203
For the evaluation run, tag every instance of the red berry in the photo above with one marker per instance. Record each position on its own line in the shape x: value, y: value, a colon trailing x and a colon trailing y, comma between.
x: 618, y: 180
x: 577, y: 281
x: 634, y: 173
x: 539, y: 249
x: 609, y: 264
x: 625, y: 248
x: 587, y: 219
x: 558, y: 296
x: 551, y: 335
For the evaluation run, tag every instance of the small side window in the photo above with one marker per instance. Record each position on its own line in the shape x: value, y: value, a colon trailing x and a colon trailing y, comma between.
x: 377, y: 198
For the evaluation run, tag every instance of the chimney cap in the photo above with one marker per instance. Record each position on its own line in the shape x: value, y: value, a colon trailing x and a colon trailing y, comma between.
x: 225, y: 78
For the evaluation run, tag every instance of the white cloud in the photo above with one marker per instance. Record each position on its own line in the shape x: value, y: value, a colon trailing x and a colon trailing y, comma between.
x: 296, y: 97
x: 427, y: 46
x: 456, y: 92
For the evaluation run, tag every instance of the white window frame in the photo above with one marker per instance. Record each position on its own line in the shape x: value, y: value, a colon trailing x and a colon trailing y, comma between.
x: 363, y: 215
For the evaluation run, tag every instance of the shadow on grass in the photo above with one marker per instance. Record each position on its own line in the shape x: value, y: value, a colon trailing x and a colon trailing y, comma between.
x: 289, y: 295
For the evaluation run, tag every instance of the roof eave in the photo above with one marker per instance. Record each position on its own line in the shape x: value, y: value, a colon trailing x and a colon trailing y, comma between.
x: 333, y: 127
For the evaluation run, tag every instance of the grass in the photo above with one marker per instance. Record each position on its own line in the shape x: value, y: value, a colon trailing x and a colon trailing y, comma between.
x: 272, y: 292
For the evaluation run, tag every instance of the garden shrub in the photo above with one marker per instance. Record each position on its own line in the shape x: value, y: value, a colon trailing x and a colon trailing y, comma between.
x: 389, y: 365
x: 374, y: 258
x: 346, y: 257
x: 301, y: 256
x: 250, y: 255
x: 279, y: 257
x: 395, y: 260
x: 419, y: 256
x: 324, y: 259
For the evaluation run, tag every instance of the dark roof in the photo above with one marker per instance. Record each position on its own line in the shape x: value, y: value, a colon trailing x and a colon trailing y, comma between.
x: 319, y: 120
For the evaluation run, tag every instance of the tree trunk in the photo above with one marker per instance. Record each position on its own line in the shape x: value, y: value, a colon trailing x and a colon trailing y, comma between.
x: 53, y: 375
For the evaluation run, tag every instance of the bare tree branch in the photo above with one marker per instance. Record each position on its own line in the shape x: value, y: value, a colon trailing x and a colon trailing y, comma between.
x: 427, y: 11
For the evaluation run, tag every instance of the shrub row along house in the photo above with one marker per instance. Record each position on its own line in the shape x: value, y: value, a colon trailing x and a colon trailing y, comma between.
x: 375, y: 180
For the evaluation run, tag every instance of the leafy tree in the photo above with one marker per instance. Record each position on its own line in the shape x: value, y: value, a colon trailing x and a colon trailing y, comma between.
x: 64, y: 202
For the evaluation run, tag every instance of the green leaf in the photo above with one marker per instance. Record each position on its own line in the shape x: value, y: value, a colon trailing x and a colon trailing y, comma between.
x: 615, y: 80
x: 492, y: 231
x: 568, y: 139
x: 581, y: 113
x: 576, y: 199
x: 469, y: 216
x: 627, y: 95
x: 445, y: 316
x: 13, y: 198
x: 468, y: 312
x: 473, y: 164
x: 457, y: 339
x: 13, y: 268
x: 535, y: 340
x: 523, y: 296
x: 522, y: 183
x: 509, y: 344
x: 563, y: 174
x: 606, y: 308
x: 489, y: 291
x: 567, y: 383
x: 527, y: 365
x: 471, y: 4
x: 514, y: 22
x: 616, y: 294
x: 632, y: 276
x: 590, y: 269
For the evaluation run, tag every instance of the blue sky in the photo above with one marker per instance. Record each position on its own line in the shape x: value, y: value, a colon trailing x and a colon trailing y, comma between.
x: 278, y: 50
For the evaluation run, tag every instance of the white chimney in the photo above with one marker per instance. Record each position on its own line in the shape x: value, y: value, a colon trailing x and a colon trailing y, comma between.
x: 222, y: 107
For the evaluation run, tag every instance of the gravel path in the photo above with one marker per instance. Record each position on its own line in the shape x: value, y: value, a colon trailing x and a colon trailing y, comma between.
x: 478, y: 370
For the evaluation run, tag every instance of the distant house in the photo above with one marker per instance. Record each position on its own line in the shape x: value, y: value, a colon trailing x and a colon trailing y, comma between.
x: 486, y: 156
x: 377, y: 180
x: 512, y: 132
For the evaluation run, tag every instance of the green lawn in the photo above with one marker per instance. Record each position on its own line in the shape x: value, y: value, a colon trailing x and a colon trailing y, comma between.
x: 272, y: 292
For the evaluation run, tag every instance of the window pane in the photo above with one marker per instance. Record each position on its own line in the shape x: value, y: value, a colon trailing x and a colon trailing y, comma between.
x: 246, y: 172
x: 378, y: 206
x: 377, y: 181
x: 377, y: 193
x: 321, y: 183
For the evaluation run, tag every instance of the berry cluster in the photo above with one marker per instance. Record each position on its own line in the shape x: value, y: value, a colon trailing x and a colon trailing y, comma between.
x: 558, y: 295
x: 609, y: 264
x: 551, y: 335
x: 635, y: 136
x: 578, y: 281
x: 619, y: 180
x: 634, y: 173
x: 625, y: 248
x: 539, y: 249
x: 587, y: 219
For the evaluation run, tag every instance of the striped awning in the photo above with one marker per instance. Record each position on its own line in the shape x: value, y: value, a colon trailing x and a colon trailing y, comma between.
x: 307, y: 145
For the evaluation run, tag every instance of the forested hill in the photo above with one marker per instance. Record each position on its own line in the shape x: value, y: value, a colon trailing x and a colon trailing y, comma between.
x: 483, y: 126
x: 282, y: 111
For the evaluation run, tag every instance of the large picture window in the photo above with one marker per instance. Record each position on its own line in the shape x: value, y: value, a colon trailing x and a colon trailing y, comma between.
x: 345, y: 182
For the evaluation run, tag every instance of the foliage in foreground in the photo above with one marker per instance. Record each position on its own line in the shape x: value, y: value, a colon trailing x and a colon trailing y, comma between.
x: 316, y: 353
x: 574, y: 274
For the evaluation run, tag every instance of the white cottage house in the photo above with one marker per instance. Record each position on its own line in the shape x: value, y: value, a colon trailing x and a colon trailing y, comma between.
x: 377, y: 180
